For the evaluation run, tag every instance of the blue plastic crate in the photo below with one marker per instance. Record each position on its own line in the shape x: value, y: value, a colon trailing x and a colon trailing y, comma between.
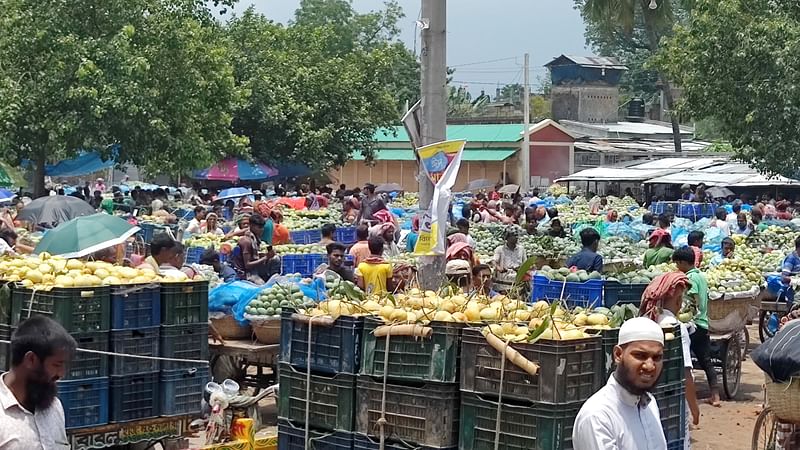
x: 292, y: 437
x: 147, y: 231
x: 587, y: 294
x: 135, y: 306
x: 193, y: 254
x: 334, y: 349
x: 181, y: 391
x: 85, y: 402
x: 306, y: 236
x: 183, y: 342
x: 676, y: 444
x: 142, y: 342
x: 304, y: 264
x: 134, y: 397
x: 346, y: 235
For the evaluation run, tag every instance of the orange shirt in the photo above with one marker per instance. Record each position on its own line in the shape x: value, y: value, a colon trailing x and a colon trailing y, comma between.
x: 359, y: 251
x: 280, y: 235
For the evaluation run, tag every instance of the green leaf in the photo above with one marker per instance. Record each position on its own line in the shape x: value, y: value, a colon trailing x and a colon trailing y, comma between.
x: 536, y: 333
x: 524, y: 269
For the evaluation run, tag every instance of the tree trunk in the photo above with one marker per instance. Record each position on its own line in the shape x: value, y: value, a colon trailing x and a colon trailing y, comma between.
x: 38, y: 175
x: 666, y: 86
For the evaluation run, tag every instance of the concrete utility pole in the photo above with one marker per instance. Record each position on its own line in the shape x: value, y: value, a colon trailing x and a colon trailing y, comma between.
x: 433, y: 82
x: 525, y: 156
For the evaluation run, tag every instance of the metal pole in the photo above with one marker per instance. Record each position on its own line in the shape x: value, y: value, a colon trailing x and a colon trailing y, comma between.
x: 433, y: 82
x: 526, y: 139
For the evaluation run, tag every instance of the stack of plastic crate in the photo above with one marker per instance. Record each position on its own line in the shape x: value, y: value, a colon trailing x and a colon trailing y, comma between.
x: 318, y: 392
x: 183, y: 335
x: 536, y: 410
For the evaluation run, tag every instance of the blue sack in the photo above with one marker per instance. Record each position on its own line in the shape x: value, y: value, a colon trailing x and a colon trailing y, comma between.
x: 776, y: 286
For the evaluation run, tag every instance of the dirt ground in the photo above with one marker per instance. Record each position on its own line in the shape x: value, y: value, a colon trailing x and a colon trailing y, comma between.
x: 730, y: 427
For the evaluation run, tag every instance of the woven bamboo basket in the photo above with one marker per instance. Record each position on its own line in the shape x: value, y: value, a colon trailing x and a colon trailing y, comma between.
x: 229, y: 328
x: 784, y: 398
x: 268, y: 331
x: 719, y: 309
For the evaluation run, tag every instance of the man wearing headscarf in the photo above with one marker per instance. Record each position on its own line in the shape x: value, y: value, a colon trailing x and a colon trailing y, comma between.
x: 782, y: 211
x: 386, y: 231
x: 662, y: 301
x: 660, y: 250
x: 458, y: 248
x: 623, y: 415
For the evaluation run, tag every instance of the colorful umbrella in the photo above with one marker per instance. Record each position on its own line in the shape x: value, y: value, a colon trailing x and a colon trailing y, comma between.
x: 234, y: 192
x: 233, y: 170
x: 55, y: 209
x: 6, y: 195
x: 85, y: 235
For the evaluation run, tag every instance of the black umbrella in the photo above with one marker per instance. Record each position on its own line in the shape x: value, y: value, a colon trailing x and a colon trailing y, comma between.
x: 55, y: 209
x: 477, y: 185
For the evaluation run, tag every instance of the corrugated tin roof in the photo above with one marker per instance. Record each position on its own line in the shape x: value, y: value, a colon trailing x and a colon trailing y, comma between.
x: 694, y: 177
x: 638, y: 146
x: 471, y: 133
x: 614, y: 174
x: 592, y: 61
x: 483, y: 154
x: 678, y: 163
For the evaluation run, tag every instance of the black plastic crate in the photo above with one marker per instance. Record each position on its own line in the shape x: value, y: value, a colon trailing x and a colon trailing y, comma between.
x: 181, y: 391
x: 89, y: 365
x: 609, y: 337
x: 567, y: 369
x: 364, y: 442
x: 521, y: 427
x: 184, y: 303
x: 334, y: 349
x: 183, y: 342
x: 331, y: 401
x: 142, y: 342
x: 135, y: 306
x: 422, y: 414
x: 5, y: 349
x: 85, y: 402
x: 671, y: 400
x: 78, y: 310
x: 677, y: 444
x: 293, y: 437
x: 615, y: 292
x: 134, y: 397
x: 412, y: 358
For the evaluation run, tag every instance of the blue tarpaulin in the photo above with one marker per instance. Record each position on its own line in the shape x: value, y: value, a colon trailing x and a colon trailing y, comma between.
x: 84, y: 164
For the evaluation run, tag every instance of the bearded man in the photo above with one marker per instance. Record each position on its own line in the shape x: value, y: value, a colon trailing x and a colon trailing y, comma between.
x: 31, y: 416
x: 623, y: 415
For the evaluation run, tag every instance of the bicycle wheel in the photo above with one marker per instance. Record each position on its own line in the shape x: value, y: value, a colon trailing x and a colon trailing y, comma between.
x: 765, y: 430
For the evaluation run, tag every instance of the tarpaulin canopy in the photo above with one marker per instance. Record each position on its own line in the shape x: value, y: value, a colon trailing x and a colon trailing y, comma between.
x: 83, y: 164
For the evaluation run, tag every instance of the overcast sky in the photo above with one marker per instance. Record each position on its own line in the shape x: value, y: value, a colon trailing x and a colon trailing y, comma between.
x: 479, y: 31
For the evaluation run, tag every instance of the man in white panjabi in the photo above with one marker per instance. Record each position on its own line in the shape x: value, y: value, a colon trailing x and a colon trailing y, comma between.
x: 31, y: 416
x: 623, y: 415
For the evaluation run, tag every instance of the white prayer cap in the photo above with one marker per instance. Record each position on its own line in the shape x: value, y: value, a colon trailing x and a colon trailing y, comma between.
x: 640, y: 329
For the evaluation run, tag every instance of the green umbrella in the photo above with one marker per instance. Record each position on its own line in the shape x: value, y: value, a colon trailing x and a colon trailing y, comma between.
x: 85, y: 235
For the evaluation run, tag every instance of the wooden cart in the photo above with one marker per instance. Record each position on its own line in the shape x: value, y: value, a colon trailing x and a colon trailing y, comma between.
x: 257, y: 362
x: 168, y: 431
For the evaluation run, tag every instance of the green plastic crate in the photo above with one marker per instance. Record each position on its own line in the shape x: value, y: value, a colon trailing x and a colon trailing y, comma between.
x: 671, y: 400
x: 5, y: 349
x: 331, y: 401
x: 414, y: 358
x: 528, y: 427
x: 568, y: 369
x: 184, y: 303
x: 422, y: 414
x: 78, y: 310
x: 610, y: 337
x: 5, y: 304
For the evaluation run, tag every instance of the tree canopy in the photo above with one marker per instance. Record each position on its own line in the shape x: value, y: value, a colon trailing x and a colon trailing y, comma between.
x: 150, y: 75
x: 311, y: 98
x: 736, y: 62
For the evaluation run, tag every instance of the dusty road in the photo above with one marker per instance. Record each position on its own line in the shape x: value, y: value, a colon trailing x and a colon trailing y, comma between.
x: 730, y: 427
